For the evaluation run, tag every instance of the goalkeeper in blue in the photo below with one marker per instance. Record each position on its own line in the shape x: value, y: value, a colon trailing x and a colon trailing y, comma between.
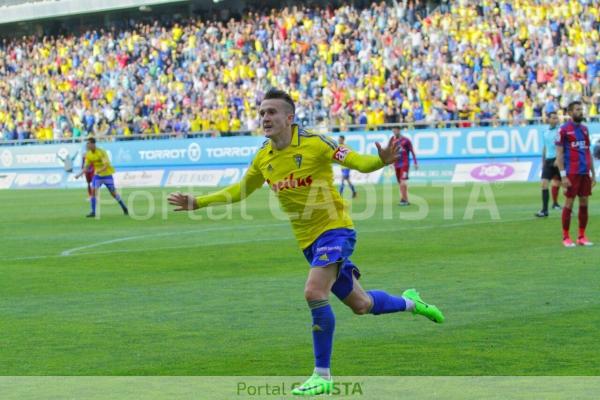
x: 296, y: 165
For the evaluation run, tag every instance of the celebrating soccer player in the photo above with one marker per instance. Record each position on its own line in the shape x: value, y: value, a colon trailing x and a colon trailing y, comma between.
x: 402, y: 164
x: 102, y: 176
x: 297, y: 167
x: 574, y: 160
x: 549, y: 170
x: 345, y: 171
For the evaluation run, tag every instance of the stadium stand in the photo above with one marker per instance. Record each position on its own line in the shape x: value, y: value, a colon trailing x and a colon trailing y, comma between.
x: 509, y: 62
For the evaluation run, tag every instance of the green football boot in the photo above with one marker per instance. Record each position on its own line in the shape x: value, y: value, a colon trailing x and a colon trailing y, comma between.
x: 315, y: 385
x: 428, y: 310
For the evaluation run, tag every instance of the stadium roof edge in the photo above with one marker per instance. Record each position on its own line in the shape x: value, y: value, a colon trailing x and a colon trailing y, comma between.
x: 59, y: 8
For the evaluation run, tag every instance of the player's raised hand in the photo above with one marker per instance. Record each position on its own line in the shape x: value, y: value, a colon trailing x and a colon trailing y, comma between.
x: 184, y: 202
x: 388, y: 154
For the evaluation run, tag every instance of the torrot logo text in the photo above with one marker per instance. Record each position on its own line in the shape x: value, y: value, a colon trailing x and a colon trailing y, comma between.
x: 241, y: 151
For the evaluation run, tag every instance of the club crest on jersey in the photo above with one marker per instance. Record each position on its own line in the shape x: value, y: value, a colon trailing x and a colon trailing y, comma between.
x: 270, y: 168
x: 298, y: 159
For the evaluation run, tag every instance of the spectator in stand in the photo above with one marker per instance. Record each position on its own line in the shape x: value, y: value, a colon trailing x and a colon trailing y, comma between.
x: 469, y: 60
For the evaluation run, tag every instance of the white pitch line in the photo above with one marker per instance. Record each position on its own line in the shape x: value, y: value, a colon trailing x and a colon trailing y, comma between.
x: 70, y: 254
x: 128, y: 238
x: 242, y: 241
x: 138, y: 250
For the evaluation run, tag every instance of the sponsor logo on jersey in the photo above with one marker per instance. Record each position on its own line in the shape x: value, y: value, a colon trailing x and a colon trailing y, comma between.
x: 290, y: 183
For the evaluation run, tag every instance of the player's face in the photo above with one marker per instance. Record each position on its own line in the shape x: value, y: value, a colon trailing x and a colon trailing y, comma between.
x: 396, y: 133
x: 553, y: 120
x: 577, y: 113
x: 275, y: 117
x: 341, y: 140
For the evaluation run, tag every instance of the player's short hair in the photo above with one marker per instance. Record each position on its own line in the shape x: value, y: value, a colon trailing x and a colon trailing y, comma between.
x: 342, y: 137
x: 273, y: 94
x: 91, y: 140
x: 572, y: 105
x: 551, y: 113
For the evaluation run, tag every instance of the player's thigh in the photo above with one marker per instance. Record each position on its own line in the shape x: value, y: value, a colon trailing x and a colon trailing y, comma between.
x: 398, y: 172
x: 544, y: 183
x: 96, y: 184
x: 319, y: 281
x: 585, y: 187
x: 110, y: 185
x: 112, y: 190
x: 358, y: 300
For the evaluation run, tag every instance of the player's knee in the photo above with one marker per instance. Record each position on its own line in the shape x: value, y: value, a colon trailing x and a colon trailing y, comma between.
x: 312, y: 293
x: 361, y: 307
x: 569, y: 202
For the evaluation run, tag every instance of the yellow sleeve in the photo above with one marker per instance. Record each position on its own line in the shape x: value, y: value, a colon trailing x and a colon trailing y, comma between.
x: 252, y: 180
x: 348, y: 158
x: 361, y: 162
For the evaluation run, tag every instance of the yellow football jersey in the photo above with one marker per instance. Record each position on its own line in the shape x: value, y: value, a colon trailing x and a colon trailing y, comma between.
x: 99, y: 159
x: 301, y: 176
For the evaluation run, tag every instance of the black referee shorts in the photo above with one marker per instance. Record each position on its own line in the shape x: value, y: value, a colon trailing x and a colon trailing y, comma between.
x: 549, y: 170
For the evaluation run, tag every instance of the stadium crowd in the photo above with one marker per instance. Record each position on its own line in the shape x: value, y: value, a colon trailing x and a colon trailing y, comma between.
x: 513, y: 61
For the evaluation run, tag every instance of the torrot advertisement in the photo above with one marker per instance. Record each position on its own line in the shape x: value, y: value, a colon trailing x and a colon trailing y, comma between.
x: 448, y: 155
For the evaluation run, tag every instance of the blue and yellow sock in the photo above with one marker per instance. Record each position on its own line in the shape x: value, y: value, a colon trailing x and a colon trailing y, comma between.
x: 322, y: 330
x: 384, y: 303
x: 342, y: 187
x: 93, y: 204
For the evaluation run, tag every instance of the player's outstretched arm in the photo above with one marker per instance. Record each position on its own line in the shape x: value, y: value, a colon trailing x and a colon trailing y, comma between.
x: 367, y: 163
x: 230, y: 194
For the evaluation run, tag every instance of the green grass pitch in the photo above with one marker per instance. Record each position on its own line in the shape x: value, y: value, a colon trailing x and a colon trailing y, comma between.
x: 198, y: 296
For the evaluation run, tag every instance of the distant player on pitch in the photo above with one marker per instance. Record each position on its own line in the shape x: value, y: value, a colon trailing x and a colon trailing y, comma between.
x: 297, y: 166
x: 574, y: 160
x: 550, y: 171
x: 103, y: 175
x: 402, y: 165
x: 345, y: 171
